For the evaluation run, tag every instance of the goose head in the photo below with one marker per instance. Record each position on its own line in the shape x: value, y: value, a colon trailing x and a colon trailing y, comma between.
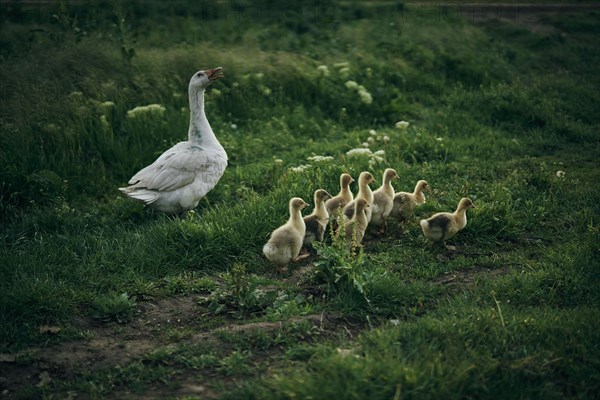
x: 202, y: 79
x: 345, y: 180
x: 389, y: 174
x: 465, y: 204
x: 365, y: 178
x: 422, y: 186
x: 322, y: 195
x: 361, y: 204
x: 298, y: 204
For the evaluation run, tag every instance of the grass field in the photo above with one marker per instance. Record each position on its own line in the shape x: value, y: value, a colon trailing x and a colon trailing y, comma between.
x: 102, y: 298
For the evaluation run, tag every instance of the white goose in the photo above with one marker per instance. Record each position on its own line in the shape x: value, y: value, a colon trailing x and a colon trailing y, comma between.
x: 185, y: 173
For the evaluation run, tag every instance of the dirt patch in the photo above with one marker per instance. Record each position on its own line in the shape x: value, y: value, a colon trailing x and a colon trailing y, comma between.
x: 459, y: 280
x: 119, y: 345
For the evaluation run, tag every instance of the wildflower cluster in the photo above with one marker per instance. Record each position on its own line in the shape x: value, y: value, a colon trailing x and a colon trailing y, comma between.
x: 314, y: 159
x: 320, y: 158
x: 374, y: 157
x: 363, y: 93
x: 150, y: 109
x: 376, y: 137
x: 323, y: 70
x: 343, y: 68
x: 299, y: 169
x: 402, y: 124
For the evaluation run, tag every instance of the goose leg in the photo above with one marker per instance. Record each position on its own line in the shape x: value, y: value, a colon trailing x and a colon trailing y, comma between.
x: 300, y: 257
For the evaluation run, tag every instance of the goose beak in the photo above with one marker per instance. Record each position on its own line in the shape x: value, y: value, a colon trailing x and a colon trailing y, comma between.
x: 214, y: 74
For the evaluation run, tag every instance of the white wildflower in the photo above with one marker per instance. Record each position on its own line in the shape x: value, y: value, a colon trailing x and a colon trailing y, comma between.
x: 365, y: 97
x: 344, y: 71
x: 372, y: 132
x: 266, y: 91
x: 233, y: 126
x: 259, y: 75
x: 370, y: 139
x: 351, y: 85
x: 358, y: 152
x: 149, y: 109
x: 560, y: 174
x: 277, y: 161
x: 379, y: 138
x: 365, y: 144
x: 215, y: 92
x: 439, y: 139
x: 104, y: 122
x: 380, y: 153
x: 299, y: 169
x: 395, y: 322
x: 323, y: 70
x: 341, y: 64
x: 402, y: 124
x: 386, y: 138
x: 108, y: 104
x: 320, y: 158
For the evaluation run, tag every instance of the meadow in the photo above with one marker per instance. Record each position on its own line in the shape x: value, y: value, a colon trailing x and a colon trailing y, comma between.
x: 102, y: 298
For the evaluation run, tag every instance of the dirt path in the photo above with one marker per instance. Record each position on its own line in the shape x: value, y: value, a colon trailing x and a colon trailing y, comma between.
x: 111, y: 345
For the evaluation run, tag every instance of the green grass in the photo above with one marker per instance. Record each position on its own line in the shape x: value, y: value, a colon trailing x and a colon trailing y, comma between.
x: 495, y: 112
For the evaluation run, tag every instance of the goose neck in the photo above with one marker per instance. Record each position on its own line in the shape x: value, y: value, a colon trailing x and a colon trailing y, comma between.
x: 200, y: 131
x: 296, y: 217
x: 366, y: 192
x: 320, y: 210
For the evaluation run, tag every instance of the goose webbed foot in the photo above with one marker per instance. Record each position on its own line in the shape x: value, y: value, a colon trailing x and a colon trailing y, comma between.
x: 301, y: 257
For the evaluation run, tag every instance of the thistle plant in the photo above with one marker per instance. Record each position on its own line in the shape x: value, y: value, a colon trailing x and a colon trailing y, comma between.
x: 341, y: 266
x: 115, y: 307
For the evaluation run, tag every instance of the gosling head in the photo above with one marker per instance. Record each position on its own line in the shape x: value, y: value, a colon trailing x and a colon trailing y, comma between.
x: 345, y: 180
x: 465, y: 204
x: 202, y: 79
x: 365, y: 178
x: 389, y: 174
x: 361, y: 204
x: 321, y: 195
x: 422, y: 186
x: 296, y: 203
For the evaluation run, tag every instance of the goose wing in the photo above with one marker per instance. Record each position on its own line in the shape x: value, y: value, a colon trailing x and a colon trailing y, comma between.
x: 180, y: 166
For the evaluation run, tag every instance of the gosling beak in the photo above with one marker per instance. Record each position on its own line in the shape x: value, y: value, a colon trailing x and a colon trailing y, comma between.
x: 214, y: 74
